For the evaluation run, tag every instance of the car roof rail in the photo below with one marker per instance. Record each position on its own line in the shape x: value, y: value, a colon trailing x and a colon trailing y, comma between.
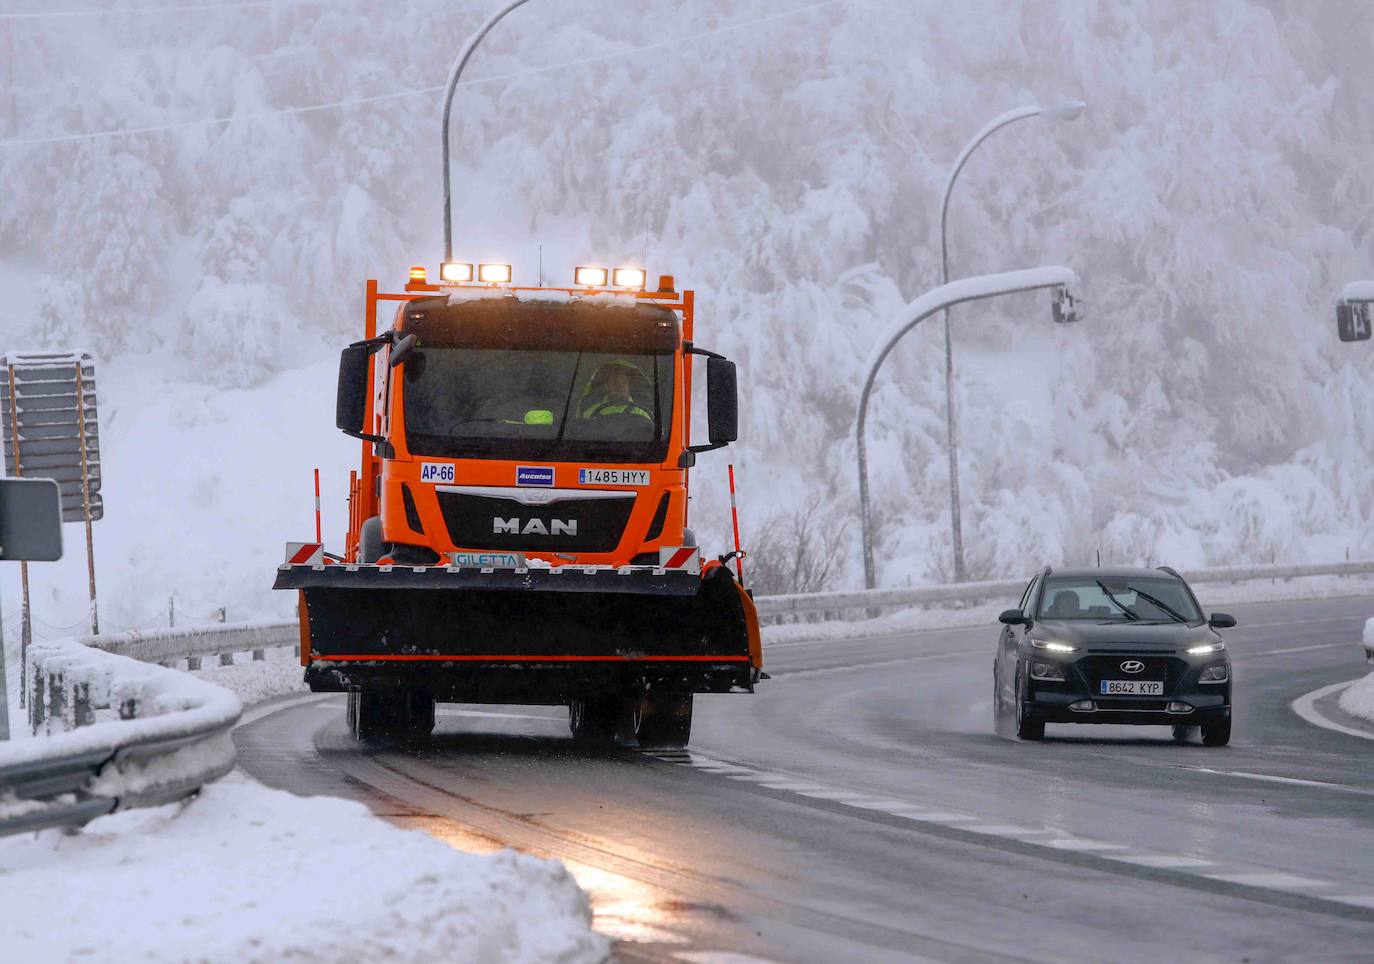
x: 1170, y: 570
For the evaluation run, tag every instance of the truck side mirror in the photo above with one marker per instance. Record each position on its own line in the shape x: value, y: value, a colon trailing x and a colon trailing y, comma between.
x: 350, y: 407
x: 722, y: 401
x: 1352, y: 321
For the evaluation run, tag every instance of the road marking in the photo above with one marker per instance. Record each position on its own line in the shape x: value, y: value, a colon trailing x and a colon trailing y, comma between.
x: 1191, y: 867
x: 1078, y: 844
x: 852, y: 667
x: 1271, y: 778
x: 1359, y: 900
x: 721, y: 957
x: 1291, y: 649
x: 1165, y: 861
x: 1305, y: 706
x: 255, y: 713
x: 1274, y: 881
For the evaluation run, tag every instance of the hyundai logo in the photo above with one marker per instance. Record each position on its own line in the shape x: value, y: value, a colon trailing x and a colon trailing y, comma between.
x: 1132, y: 666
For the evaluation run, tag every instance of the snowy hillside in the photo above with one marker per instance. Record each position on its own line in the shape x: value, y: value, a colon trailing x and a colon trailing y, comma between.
x: 784, y: 161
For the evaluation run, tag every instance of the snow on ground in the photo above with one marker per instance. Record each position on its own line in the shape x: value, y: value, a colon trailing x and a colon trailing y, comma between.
x: 1358, y: 699
x: 246, y: 873
x: 277, y: 675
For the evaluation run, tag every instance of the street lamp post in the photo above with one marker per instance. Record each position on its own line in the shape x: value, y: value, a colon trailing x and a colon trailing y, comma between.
x: 455, y: 73
x: 1067, y: 111
x: 1060, y: 279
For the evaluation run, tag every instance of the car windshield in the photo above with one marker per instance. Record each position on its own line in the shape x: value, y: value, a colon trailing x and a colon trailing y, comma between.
x: 1118, y: 599
x: 537, y: 404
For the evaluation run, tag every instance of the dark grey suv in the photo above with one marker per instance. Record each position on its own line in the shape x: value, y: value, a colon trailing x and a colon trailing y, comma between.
x: 1112, y: 646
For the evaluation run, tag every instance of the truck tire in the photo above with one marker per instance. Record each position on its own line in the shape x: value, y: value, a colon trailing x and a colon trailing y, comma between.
x: 378, y: 715
x: 663, y: 719
x: 597, y: 719
x: 370, y: 546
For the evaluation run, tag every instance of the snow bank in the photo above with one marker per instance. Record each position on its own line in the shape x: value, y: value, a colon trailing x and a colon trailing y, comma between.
x: 1358, y: 698
x: 280, y: 673
x: 243, y: 872
x: 1368, y: 636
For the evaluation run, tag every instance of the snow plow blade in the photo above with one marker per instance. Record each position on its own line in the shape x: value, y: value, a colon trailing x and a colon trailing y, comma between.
x: 566, y: 630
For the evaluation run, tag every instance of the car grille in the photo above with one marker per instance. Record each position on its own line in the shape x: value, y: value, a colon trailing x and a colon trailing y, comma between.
x: 470, y: 519
x: 1098, y: 666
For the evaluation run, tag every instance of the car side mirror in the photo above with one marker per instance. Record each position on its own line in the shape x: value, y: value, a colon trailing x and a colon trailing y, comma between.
x: 1013, y: 617
x: 1221, y: 621
x: 722, y: 401
x: 1352, y: 321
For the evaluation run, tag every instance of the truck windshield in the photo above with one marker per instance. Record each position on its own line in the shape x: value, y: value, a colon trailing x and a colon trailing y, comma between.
x: 535, y: 404
x: 1115, y: 599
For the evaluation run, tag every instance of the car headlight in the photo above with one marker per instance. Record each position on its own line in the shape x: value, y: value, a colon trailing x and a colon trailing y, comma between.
x: 1202, y: 649
x: 1040, y: 669
x: 1216, y: 673
x: 1051, y: 646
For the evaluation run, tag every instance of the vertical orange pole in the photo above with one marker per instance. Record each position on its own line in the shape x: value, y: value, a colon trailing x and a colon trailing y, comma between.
x: 318, y: 537
x: 734, y: 519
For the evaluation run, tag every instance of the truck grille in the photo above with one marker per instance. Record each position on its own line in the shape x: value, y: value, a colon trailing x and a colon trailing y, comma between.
x: 581, y: 525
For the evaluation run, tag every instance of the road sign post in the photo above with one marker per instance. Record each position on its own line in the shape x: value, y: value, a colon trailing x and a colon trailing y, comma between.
x: 51, y: 430
x: 30, y: 528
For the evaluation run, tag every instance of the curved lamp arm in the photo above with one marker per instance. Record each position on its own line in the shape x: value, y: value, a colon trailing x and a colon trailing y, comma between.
x: 936, y: 300
x: 456, y: 72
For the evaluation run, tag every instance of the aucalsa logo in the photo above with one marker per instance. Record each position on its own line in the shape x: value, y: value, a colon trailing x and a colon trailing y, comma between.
x: 534, y: 475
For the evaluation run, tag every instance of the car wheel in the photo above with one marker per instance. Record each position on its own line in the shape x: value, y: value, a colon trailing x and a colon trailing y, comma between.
x: 1026, y: 729
x: 1182, y: 731
x: 1217, y: 732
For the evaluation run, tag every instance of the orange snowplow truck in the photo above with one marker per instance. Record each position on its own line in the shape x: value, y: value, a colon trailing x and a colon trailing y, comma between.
x: 518, y: 525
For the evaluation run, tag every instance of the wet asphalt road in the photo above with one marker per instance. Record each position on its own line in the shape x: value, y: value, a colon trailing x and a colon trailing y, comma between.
x: 859, y: 807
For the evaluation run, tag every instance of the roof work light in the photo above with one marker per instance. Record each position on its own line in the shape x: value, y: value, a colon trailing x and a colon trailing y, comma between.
x: 455, y: 272
x: 591, y: 277
x: 629, y: 277
x: 494, y: 274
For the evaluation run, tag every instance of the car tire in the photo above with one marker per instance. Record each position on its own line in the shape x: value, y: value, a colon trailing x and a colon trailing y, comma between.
x: 1182, y: 731
x: 1217, y: 732
x: 1001, y: 714
x: 1026, y: 729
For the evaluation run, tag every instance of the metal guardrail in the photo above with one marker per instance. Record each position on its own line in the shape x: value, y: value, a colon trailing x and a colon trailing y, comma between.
x: 975, y: 592
x: 195, y: 642
x: 111, y: 733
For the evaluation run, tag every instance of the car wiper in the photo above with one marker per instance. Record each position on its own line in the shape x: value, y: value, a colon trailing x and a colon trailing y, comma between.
x: 1155, y: 602
x: 567, y: 409
x: 1120, y: 605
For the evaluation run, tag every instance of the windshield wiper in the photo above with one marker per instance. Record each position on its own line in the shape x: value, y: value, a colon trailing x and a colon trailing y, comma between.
x: 567, y: 408
x: 1121, y: 605
x: 1155, y: 602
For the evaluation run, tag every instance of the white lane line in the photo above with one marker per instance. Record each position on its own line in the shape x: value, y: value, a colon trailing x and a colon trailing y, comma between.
x: 1006, y: 830
x: 1086, y: 846
x: 498, y: 716
x: 1292, y: 649
x: 1270, y: 778
x: 1359, y: 900
x: 792, y: 786
x: 853, y: 667
x: 826, y: 793
x: 882, y: 804
x: 926, y: 816
x: 721, y: 957
x: 1273, y: 881
x: 1164, y: 861
x: 255, y: 713
x: 1305, y: 706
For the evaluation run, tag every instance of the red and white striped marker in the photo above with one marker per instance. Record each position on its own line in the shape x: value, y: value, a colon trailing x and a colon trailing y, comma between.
x: 318, y: 536
x: 680, y: 557
x: 734, y: 519
x: 304, y: 553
